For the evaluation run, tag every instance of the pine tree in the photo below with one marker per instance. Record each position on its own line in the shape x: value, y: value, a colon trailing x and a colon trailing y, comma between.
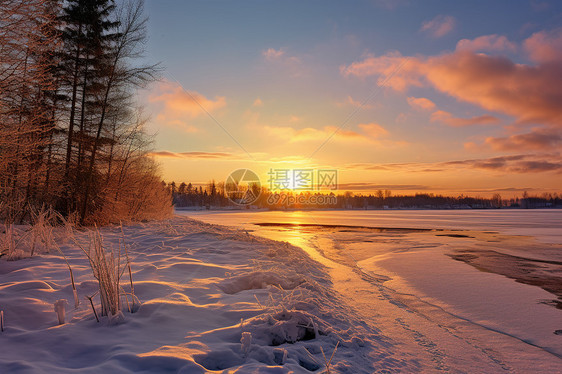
x: 87, y: 36
x: 70, y: 134
x: 118, y: 79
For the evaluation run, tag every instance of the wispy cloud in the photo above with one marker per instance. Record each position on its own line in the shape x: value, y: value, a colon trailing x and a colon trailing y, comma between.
x: 421, y: 103
x: 192, y: 155
x: 281, y: 61
x: 495, y: 43
x: 354, y: 103
x: 536, y: 140
x: 385, y: 66
x: 370, y: 133
x: 279, y: 55
x: 375, y: 186
x: 521, y: 164
x: 309, y: 133
x: 439, y: 26
x: 373, y: 130
x: 406, y: 166
x: 512, y: 164
x: 505, y: 189
x: 175, y: 107
x: 272, y: 54
x: 449, y: 119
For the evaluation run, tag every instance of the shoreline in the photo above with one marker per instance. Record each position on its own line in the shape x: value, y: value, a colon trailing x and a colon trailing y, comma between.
x: 315, y: 209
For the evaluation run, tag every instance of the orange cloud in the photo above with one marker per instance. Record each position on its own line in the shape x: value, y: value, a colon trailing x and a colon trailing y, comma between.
x: 421, y: 103
x: 513, y: 164
x: 373, y: 130
x: 370, y: 132
x: 439, y: 26
x: 487, y: 43
x: 544, y: 46
x: 521, y: 164
x: 257, y: 102
x: 357, y: 104
x: 310, y: 133
x: 374, y: 186
x: 532, y: 94
x: 201, y: 155
x: 177, y: 105
x: 538, y: 139
x: 449, y: 119
x: 404, y: 73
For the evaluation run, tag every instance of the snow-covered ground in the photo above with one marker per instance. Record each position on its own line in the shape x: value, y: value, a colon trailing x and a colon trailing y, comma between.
x: 213, y: 299
x: 218, y: 299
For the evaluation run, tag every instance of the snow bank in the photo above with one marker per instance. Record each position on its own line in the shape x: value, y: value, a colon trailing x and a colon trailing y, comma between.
x: 213, y: 299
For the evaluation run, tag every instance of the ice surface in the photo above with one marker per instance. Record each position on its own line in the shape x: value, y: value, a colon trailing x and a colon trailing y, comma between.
x: 545, y: 224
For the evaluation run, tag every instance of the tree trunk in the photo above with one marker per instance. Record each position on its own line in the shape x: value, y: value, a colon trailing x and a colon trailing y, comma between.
x: 72, y: 108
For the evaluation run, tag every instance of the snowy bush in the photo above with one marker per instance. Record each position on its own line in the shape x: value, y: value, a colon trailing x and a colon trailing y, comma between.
x: 18, y: 242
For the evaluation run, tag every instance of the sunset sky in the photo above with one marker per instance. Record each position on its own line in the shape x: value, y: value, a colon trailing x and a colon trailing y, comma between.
x: 413, y: 96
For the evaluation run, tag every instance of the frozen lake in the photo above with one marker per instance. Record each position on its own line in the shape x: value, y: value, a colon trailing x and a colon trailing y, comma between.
x: 545, y: 225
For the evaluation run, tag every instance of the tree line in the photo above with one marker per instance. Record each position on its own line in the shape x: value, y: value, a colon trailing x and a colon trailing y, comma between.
x: 71, y: 134
x: 213, y: 195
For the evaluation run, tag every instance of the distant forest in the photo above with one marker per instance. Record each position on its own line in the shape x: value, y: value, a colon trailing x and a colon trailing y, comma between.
x: 213, y: 196
x: 72, y: 138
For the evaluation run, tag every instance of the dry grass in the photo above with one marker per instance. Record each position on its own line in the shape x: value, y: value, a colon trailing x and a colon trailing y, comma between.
x: 17, y: 242
x: 42, y: 235
x: 74, y: 291
x: 327, y: 362
x: 108, y: 267
x: 13, y: 243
